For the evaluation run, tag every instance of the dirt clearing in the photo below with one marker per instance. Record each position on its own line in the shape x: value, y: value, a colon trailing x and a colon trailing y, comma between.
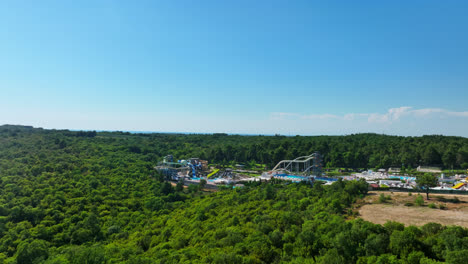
x: 402, y: 208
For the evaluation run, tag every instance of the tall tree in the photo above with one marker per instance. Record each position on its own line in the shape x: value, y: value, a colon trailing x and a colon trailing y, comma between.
x: 425, y: 182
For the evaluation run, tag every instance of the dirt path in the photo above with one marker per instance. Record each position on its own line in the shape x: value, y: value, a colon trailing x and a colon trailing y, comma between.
x: 395, y: 210
x: 186, y: 186
x: 175, y: 184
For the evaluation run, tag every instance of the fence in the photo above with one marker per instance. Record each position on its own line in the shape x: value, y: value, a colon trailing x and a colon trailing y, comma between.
x: 395, y: 189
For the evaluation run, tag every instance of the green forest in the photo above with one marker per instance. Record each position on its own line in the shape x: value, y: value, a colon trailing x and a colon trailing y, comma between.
x: 94, y: 197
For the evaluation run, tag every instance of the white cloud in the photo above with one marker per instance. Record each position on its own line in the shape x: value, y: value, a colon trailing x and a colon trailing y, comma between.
x: 440, y: 111
x: 404, y: 120
x: 461, y: 114
x: 282, y: 115
x: 396, y: 113
x: 352, y: 116
x: 392, y: 115
x: 324, y: 116
x: 428, y: 111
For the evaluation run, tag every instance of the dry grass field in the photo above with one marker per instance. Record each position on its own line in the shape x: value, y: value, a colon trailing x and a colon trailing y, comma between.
x: 399, y: 208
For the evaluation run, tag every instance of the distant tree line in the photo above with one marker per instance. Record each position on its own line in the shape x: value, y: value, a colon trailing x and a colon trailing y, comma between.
x: 352, y: 151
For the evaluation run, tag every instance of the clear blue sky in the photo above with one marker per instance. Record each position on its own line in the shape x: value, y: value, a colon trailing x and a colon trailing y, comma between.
x: 259, y: 67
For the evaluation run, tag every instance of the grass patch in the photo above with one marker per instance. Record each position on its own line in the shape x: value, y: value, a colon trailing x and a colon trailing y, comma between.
x: 383, y: 198
x: 419, y: 200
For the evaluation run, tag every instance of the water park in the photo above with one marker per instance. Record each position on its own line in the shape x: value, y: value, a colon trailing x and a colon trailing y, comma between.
x: 386, y: 179
x: 304, y: 168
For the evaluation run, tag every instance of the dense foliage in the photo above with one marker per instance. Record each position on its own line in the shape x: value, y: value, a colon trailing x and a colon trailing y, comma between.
x: 87, y: 197
x: 353, y: 151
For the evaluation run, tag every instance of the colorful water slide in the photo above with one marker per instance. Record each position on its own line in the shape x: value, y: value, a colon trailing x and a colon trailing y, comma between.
x: 213, y: 173
x: 458, y: 186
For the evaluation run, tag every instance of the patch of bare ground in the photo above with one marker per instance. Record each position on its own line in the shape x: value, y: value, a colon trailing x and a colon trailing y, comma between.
x: 403, y: 208
x: 186, y: 186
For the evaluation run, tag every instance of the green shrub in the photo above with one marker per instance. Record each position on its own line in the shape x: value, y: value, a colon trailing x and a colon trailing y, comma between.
x: 432, y: 205
x: 382, y: 198
x: 442, y: 207
x: 409, y: 204
x: 419, y: 200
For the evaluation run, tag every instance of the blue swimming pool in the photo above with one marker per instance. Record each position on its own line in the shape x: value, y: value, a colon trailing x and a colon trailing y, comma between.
x: 198, y: 178
x: 290, y: 177
x: 296, y: 178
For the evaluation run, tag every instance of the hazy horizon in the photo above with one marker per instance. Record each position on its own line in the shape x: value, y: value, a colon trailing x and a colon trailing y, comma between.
x: 219, y: 132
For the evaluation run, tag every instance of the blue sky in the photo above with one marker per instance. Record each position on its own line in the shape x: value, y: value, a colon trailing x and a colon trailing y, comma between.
x: 257, y: 67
